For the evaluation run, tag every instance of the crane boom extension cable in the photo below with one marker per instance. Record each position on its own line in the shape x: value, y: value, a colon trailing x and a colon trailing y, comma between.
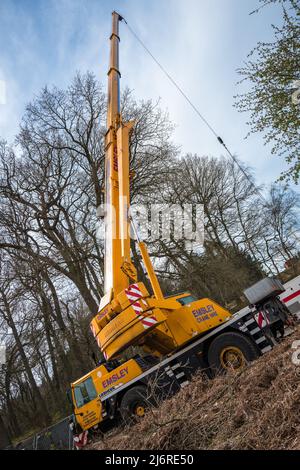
x: 210, y: 127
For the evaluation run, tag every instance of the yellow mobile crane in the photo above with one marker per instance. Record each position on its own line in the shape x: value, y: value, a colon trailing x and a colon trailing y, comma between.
x: 173, y: 331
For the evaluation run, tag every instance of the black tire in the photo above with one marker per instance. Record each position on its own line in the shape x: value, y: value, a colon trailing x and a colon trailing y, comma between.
x: 231, y: 345
x: 133, y: 402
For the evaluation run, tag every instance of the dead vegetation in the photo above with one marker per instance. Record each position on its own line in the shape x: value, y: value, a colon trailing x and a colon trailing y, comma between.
x: 258, y: 408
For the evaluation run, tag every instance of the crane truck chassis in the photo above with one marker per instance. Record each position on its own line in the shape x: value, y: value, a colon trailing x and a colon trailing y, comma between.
x: 176, y: 334
x: 127, y: 389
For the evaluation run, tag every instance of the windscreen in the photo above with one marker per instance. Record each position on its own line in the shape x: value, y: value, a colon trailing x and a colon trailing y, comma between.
x: 187, y: 300
x: 85, y: 392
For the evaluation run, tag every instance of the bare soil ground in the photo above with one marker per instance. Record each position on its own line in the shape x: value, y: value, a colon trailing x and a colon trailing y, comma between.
x: 257, y: 408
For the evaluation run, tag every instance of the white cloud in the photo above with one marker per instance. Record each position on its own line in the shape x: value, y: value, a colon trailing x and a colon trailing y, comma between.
x: 2, y: 92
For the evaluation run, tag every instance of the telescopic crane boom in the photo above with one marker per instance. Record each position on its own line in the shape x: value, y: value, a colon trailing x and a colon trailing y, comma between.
x: 118, y: 266
x: 117, y: 242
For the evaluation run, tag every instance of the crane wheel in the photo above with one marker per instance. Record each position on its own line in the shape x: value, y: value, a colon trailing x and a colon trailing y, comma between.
x: 134, y: 403
x: 231, y: 351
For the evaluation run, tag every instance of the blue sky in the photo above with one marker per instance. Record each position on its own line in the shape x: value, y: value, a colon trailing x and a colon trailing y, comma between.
x: 200, y: 42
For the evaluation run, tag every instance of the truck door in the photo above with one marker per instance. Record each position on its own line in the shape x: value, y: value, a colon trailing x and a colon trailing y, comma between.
x: 87, y: 404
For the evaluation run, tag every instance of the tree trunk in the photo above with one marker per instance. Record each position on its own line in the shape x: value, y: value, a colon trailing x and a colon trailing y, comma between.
x: 4, y: 437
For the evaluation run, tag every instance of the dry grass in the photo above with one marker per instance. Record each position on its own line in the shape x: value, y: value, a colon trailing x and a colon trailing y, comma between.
x: 258, y: 408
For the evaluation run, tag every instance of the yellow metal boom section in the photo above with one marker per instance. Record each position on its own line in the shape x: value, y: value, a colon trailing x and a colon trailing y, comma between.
x: 149, y: 268
x: 116, y: 175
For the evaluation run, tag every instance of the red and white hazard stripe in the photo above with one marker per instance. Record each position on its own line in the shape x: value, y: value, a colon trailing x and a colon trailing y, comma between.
x: 262, y: 319
x: 291, y: 296
x: 80, y: 440
x: 134, y: 294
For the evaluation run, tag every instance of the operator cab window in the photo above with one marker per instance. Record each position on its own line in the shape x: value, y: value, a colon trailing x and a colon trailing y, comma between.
x: 85, y: 392
x: 186, y: 300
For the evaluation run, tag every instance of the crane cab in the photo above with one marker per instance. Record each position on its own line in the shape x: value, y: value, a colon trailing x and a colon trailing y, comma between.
x: 88, y: 391
x: 160, y: 325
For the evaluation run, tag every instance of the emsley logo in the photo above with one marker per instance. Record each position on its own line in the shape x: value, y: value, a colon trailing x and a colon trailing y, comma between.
x: 115, y: 377
x: 204, y: 313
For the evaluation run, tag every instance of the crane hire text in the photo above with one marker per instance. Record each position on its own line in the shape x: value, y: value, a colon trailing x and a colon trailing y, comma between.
x: 115, y: 377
